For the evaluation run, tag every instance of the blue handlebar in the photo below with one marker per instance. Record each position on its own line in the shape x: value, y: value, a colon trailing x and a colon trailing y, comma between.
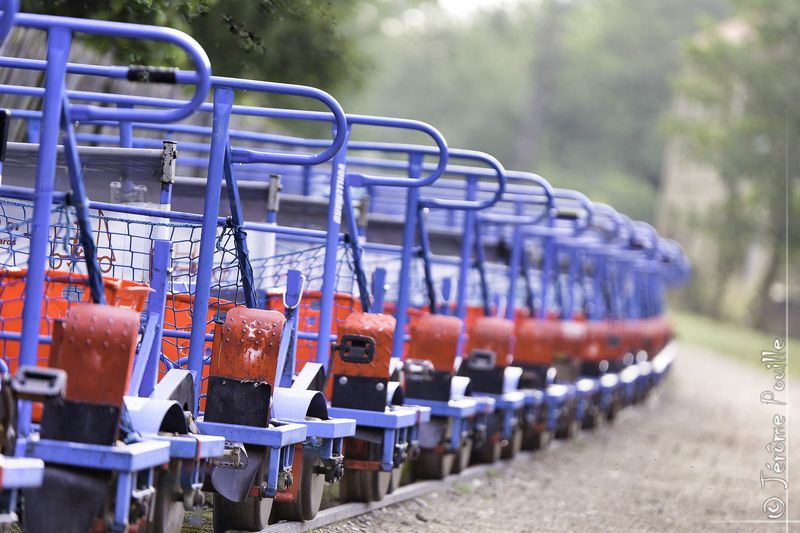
x: 473, y: 205
x: 240, y: 155
x: 251, y: 155
x: 358, y: 179
x: 201, y: 77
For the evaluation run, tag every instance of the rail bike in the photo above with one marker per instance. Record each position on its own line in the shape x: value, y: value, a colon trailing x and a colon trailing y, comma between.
x: 199, y: 309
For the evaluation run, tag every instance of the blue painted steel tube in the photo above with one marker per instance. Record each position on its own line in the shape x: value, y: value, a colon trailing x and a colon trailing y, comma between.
x: 335, y: 208
x: 355, y: 246
x: 467, y: 245
x: 78, y: 202
x: 201, y: 78
x: 407, y: 249
x: 513, y: 270
x: 426, y: 255
x: 162, y: 253
x: 572, y: 279
x: 548, y: 249
x: 378, y: 290
x: 223, y: 103
x: 58, y: 45
x: 239, y: 234
x: 479, y: 264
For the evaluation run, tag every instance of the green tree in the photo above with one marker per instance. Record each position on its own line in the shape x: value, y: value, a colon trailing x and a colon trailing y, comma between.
x: 571, y: 90
x: 745, y: 77
x: 297, y: 41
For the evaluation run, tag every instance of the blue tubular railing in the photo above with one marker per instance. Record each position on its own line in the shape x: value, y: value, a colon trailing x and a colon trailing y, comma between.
x: 57, y: 112
x: 200, y: 78
x: 413, y: 182
x: 338, y: 174
x: 414, y: 204
x: 9, y: 11
x: 239, y: 155
x: 221, y: 156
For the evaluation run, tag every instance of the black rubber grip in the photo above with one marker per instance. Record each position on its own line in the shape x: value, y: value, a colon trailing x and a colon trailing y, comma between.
x: 565, y: 214
x: 5, y: 119
x: 143, y: 74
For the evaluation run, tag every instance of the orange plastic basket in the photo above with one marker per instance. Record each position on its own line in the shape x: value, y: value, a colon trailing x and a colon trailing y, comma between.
x: 60, y: 291
x: 178, y: 317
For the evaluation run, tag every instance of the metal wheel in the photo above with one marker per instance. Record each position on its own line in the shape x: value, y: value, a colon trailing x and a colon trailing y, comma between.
x: 514, y: 444
x: 309, y: 491
x: 364, y: 485
x: 535, y: 439
x: 249, y: 515
x: 568, y: 430
x: 594, y: 418
x: 462, y: 458
x: 489, y: 452
x: 169, y: 509
x: 395, y: 479
x: 613, y: 410
x: 433, y: 465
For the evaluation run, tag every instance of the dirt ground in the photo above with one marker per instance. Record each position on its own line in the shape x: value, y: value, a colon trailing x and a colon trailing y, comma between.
x: 689, y: 460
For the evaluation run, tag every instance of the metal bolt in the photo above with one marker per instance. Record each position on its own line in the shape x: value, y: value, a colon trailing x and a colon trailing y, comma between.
x: 343, y: 380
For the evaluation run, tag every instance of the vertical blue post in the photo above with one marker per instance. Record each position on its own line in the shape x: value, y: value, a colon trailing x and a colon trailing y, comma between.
x: 287, y: 355
x: 58, y: 45
x: 480, y: 266
x: 354, y: 232
x: 34, y: 130
x: 601, y: 300
x: 78, y: 200
x: 514, y: 266
x: 125, y: 130
x: 378, y: 290
x: 307, y: 180
x: 548, y: 258
x: 239, y: 234
x: 162, y: 254
x: 426, y: 256
x: 335, y: 208
x: 447, y: 291
x: 529, y: 292
x: 467, y: 240
x: 572, y: 280
x: 223, y: 104
x: 407, y: 250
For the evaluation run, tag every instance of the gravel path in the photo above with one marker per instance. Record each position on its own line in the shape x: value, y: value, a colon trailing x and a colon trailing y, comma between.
x: 689, y: 460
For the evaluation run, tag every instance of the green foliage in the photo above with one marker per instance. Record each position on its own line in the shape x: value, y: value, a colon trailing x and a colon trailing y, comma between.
x: 613, y: 85
x: 743, y: 80
x: 590, y: 96
x: 297, y: 41
x: 441, y: 74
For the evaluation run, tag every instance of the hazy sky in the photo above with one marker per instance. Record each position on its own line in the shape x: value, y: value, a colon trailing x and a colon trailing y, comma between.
x: 468, y: 7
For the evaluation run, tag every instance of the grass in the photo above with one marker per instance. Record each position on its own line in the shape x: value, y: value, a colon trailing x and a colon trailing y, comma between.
x: 461, y: 488
x: 733, y: 340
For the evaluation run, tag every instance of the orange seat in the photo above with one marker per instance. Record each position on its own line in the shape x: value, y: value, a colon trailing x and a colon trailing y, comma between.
x: 494, y: 335
x: 435, y: 338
